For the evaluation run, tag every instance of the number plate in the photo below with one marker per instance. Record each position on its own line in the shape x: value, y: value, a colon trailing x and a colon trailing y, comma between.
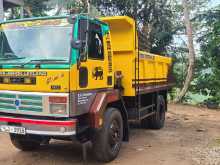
x: 13, y: 129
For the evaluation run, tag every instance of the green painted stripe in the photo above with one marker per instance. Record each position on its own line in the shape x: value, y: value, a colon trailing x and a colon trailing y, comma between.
x: 30, y: 109
x: 3, y: 109
x: 6, y: 101
x: 105, y: 29
x: 7, y: 107
x: 33, y: 66
x: 55, y: 66
x: 25, y: 97
x: 31, y: 103
x: 7, y: 96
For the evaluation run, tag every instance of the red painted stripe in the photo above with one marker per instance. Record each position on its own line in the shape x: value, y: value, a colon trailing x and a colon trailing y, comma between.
x: 38, y: 122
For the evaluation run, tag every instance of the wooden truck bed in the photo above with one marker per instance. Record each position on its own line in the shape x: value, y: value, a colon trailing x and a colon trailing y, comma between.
x: 142, y: 72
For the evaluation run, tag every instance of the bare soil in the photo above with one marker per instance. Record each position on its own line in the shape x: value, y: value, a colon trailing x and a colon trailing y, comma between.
x: 191, y: 137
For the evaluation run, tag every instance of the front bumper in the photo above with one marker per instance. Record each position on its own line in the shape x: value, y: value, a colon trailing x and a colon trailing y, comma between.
x: 42, y: 127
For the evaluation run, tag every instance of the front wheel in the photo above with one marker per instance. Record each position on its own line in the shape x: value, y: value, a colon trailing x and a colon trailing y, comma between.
x: 26, y: 143
x: 107, y: 141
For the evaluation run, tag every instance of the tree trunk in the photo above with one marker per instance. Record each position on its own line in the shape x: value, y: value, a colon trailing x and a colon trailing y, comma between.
x: 59, y: 10
x: 28, y: 10
x: 2, y: 15
x: 191, y: 55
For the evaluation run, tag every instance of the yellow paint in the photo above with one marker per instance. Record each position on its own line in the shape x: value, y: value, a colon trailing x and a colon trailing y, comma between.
x: 27, y: 81
x: 35, y: 23
x: 91, y: 64
x: 42, y: 84
x: 123, y: 34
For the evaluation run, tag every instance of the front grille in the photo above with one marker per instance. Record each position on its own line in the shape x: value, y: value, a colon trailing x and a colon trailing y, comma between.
x: 19, y: 102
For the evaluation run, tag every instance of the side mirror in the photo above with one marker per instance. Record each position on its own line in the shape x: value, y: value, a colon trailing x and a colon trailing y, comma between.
x: 81, y: 46
x: 77, y: 44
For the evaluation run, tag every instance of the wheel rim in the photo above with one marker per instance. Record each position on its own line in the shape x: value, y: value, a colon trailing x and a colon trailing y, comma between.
x: 114, y: 136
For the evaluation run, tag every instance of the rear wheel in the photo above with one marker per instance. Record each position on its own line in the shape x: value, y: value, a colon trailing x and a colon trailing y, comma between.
x: 157, y: 121
x: 145, y: 123
x: 107, y: 141
x: 26, y: 143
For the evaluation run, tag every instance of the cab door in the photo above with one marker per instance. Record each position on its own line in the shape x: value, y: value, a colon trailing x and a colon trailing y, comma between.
x: 92, y: 70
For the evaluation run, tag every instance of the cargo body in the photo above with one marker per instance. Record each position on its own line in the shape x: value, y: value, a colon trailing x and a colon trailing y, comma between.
x: 139, y: 68
x: 79, y: 78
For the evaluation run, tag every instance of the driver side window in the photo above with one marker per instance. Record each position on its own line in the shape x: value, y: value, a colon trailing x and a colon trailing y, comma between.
x: 95, y: 42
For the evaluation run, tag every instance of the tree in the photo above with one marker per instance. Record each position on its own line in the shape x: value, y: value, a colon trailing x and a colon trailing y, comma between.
x: 32, y: 8
x: 36, y: 8
x: 208, y: 67
x: 71, y: 6
x: 191, y: 55
x: 180, y: 46
x: 154, y: 18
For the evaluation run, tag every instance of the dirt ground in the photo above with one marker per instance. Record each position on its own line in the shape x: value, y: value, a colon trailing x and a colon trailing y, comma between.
x: 191, y: 137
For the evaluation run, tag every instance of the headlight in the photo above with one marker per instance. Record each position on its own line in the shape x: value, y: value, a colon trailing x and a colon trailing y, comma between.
x: 27, y: 80
x: 6, y: 80
x: 58, y: 109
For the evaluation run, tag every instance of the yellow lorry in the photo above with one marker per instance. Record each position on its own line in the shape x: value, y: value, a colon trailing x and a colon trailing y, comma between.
x: 79, y: 78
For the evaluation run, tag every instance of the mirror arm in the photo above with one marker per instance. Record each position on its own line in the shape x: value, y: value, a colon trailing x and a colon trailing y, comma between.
x: 78, y: 62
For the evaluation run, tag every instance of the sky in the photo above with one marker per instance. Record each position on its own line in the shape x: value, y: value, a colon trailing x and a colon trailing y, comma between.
x: 215, y: 2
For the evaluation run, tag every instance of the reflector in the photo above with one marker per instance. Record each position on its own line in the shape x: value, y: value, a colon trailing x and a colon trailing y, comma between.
x: 53, y: 99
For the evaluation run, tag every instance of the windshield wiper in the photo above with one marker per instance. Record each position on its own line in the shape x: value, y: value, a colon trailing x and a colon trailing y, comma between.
x: 12, y: 58
x: 10, y: 54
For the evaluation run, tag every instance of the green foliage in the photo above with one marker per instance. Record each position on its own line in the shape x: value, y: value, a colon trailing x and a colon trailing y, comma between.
x: 154, y: 18
x: 180, y: 48
x: 208, y: 66
x: 37, y: 7
x: 14, y: 13
x: 73, y: 6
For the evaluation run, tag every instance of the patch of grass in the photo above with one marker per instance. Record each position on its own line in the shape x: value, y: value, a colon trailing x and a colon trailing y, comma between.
x: 214, y: 143
x: 217, y: 141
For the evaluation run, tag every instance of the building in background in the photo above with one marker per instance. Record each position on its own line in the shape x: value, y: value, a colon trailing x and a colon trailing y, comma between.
x: 6, y: 4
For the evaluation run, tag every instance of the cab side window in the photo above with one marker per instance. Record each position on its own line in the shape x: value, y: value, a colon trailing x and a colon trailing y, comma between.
x: 95, y: 42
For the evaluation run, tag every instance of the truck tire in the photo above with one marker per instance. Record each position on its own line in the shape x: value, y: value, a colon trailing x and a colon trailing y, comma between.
x: 107, y: 141
x: 26, y: 143
x: 145, y: 123
x: 157, y: 120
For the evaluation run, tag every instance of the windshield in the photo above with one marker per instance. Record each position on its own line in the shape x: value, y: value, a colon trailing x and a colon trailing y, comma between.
x: 27, y: 42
